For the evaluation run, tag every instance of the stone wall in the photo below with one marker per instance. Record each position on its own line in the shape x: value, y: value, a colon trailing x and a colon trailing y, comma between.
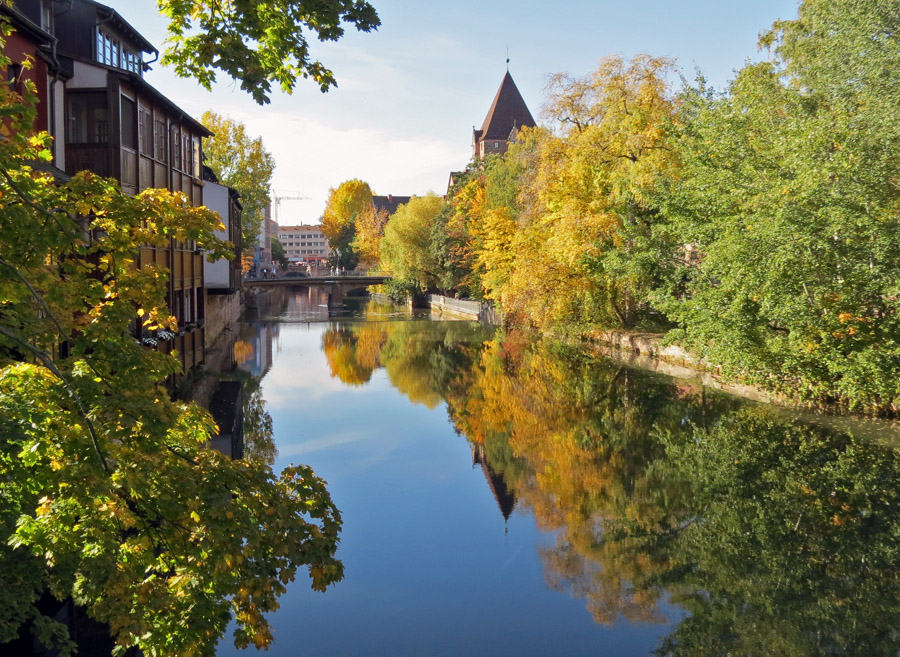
x: 222, y: 311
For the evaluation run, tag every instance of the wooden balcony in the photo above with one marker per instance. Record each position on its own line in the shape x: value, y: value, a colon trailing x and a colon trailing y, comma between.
x: 90, y: 157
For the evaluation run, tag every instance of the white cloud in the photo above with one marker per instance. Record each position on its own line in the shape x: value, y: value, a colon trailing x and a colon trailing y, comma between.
x: 312, y: 157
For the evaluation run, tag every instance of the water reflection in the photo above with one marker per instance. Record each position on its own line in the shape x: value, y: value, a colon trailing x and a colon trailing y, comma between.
x: 775, y: 535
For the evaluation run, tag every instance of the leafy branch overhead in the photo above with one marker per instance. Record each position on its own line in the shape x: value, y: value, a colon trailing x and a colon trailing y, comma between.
x: 258, y: 43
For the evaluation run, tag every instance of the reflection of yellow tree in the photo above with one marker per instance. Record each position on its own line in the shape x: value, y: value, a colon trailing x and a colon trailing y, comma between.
x: 424, y: 360
x: 584, y: 432
x: 243, y: 352
x: 352, y: 351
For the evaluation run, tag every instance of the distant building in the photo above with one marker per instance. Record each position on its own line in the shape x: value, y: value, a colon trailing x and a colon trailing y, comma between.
x: 507, y: 114
x: 455, y: 177
x: 304, y: 243
x: 389, y: 203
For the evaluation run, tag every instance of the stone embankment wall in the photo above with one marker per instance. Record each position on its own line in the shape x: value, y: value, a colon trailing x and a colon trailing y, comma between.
x: 222, y: 311
x: 645, y: 350
x: 255, y: 297
x: 480, y: 310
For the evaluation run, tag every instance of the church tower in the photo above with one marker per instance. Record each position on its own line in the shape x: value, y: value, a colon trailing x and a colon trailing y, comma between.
x: 508, y: 113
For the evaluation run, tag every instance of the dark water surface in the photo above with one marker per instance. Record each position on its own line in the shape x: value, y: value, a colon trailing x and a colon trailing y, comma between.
x: 502, y: 497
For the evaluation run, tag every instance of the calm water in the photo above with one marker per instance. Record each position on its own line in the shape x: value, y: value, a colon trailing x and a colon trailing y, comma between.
x: 502, y: 497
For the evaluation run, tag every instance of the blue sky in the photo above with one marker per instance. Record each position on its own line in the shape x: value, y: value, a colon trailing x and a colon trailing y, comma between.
x: 409, y: 94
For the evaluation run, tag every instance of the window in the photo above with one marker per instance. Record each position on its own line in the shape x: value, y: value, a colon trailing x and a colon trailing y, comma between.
x: 111, y: 52
x: 176, y: 147
x: 496, y: 144
x: 131, y: 62
x: 88, y: 118
x: 185, y: 164
x: 145, y: 128
x: 14, y: 77
x: 127, y: 114
x: 47, y: 15
x: 159, y: 130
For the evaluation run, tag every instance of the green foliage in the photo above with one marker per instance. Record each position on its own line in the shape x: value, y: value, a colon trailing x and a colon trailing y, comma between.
x: 400, y: 291
x: 789, y: 196
x: 278, y: 254
x: 257, y: 44
x: 794, y: 544
x: 406, y: 247
x: 108, y: 491
x: 243, y: 163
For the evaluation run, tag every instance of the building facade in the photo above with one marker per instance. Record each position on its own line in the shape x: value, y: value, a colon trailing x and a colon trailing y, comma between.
x: 107, y: 119
x: 32, y: 41
x: 304, y: 243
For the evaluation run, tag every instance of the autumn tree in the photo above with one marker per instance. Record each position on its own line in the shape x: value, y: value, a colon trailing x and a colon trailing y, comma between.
x: 598, y: 181
x: 346, y: 204
x: 405, y: 249
x: 258, y: 45
x: 370, y: 225
x: 242, y: 162
x: 109, y: 494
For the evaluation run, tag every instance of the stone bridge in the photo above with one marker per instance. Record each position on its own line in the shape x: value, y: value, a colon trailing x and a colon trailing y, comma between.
x: 335, y: 286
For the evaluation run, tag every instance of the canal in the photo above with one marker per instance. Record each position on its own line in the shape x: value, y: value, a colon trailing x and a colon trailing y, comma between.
x: 502, y: 496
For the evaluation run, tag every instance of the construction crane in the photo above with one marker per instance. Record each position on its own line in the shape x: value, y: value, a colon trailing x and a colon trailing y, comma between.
x: 278, y: 198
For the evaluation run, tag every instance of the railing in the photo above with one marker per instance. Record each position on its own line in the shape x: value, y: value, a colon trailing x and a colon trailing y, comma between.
x: 356, y: 273
x: 92, y: 157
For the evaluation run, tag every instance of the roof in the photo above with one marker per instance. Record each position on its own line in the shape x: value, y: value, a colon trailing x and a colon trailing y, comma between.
x: 27, y: 26
x: 124, y: 26
x: 301, y: 227
x: 159, y: 97
x: 389, y: 203
x: 60, y: 177
x: 508, y: 112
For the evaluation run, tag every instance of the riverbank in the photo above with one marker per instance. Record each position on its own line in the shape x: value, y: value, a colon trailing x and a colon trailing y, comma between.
x: 646, y: 351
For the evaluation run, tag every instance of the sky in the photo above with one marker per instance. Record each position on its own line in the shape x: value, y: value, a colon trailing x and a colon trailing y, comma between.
x: 410, y: 93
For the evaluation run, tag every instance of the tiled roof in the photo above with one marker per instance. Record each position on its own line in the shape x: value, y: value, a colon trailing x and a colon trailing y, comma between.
x: 389, y: 203
x: 508, y: 112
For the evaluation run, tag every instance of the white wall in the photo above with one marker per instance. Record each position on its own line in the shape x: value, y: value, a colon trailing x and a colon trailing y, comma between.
x: 215, y: 274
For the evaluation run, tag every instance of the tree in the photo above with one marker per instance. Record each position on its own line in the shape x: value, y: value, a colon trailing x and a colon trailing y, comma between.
x: 370, y: 225
x: 598, y: 183
x: 259, y: 43
x: 109, y: 494
x: 243, y: 163
x: 405, y: 249
x: 789, y: 193
x: 346, y: 204
x: 278, y: 254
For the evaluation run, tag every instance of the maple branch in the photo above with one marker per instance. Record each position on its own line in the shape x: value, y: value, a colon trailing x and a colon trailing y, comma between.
x: 26, y: 198
x: 50, y: 365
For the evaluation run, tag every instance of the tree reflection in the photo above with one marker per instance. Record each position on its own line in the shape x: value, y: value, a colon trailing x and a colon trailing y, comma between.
x: 582, y: 433
x: 795, y: 548
x: 352, y: 350
x: 259, y: 439
x: 777, y: 537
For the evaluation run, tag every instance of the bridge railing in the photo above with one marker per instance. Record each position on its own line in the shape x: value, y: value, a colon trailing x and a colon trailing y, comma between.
x: 356, y: 273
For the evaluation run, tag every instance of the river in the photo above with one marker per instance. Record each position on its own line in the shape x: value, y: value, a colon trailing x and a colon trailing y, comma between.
x: 502, y: 496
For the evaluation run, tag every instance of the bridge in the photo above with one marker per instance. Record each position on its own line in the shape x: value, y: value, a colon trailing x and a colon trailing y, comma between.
x: 336, y: 286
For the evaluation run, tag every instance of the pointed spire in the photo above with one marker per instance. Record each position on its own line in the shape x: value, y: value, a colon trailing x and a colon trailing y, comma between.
x: 507, y: 110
